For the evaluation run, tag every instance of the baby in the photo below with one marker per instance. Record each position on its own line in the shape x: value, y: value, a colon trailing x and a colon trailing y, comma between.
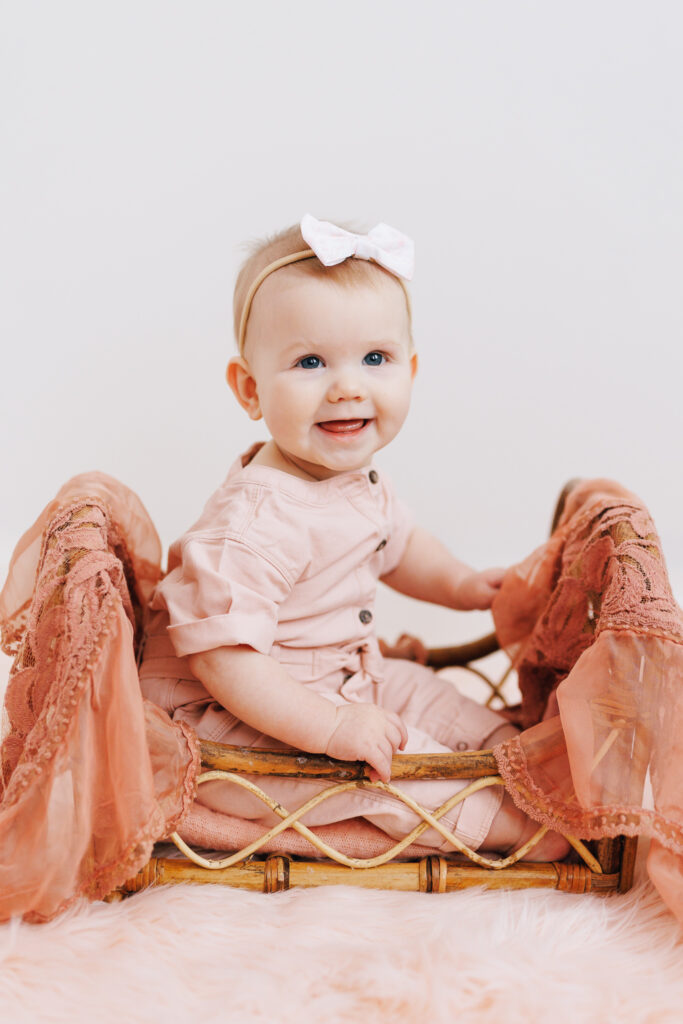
x: 263, y: 633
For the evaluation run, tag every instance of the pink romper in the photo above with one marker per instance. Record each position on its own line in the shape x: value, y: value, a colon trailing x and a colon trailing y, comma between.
x: 290, y: 567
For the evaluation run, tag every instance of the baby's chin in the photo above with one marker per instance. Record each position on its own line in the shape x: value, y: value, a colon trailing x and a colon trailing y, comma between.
x: 330, y: 468
x: 329, y: 450
x: 323, y: 466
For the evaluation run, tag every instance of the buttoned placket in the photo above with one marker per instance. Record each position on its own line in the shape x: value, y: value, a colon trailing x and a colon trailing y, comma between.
x: 365, y: 614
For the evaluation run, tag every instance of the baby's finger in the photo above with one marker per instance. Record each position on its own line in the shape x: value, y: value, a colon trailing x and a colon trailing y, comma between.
x: 380, y: 760
x: 395, y: 736
x: 388, y: 751
x: 412, y: 648
x: 495, y: 577
x: 402, y: 728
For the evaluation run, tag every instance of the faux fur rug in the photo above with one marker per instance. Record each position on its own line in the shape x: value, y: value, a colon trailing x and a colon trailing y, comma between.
x: 343, y: 955
x: 338, y: 955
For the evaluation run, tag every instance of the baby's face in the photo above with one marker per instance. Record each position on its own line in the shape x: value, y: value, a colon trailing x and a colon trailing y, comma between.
x: 333, y: 368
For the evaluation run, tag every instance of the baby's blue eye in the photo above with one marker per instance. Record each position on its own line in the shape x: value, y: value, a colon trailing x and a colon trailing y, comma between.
x: 374, y: 359
x: 310, y: 362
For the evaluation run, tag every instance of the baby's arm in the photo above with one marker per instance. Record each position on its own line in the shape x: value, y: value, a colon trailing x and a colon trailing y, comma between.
x: 430, y: 572
x: 257, y: 689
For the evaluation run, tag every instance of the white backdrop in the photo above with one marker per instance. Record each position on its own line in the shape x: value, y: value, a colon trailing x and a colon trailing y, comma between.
x: 533, y: 150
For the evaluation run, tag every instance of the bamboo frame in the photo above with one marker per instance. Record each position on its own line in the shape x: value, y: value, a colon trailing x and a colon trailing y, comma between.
x: 606, y: 865
x: 429, y: 874
x: 469, y: 764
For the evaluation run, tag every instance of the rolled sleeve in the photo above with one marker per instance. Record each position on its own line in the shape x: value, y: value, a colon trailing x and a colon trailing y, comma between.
x: 223, y: 593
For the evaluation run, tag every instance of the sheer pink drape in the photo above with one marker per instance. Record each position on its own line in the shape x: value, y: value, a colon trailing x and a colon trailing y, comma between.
x: 592, y: 611
x: 92, y: 775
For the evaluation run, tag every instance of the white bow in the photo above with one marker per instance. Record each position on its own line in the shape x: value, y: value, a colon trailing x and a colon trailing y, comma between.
x: 386, y: 246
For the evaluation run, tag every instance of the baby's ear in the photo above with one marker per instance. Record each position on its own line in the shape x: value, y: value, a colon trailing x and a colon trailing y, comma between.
x: 413, y: 363
x: 243, y: 386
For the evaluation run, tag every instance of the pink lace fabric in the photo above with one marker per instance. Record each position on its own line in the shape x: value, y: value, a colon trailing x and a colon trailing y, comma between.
x: 591, y: 613
x: 92, y: 775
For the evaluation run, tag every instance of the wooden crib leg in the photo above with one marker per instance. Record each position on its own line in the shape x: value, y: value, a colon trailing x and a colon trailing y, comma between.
x: 430, y: 874
x: 618, y: 856
x: 628, y: 862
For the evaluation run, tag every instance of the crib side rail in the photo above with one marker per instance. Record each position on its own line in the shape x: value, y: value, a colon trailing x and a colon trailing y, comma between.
x: 470, y: 764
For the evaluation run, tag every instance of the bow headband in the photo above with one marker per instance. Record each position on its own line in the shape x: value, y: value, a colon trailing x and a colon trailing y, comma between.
x: 332, y: 245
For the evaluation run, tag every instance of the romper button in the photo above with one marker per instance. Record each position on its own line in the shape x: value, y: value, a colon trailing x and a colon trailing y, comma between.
x: 365, y: 616
x: 382, y: 544
x: 373, y: 476
x: 462, y: 745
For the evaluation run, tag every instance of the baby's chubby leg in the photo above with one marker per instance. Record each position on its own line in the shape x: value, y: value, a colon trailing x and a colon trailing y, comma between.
x: 487, y: 820
x: 434, y: 705
x: 511, y: 828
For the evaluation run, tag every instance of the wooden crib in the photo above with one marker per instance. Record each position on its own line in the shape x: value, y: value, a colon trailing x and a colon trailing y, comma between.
x: 603, y: 866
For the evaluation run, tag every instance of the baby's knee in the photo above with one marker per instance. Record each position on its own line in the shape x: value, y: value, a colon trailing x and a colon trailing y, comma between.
x: 505, y: 731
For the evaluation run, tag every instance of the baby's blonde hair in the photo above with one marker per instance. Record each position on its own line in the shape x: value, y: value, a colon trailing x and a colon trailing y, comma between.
x: 285, y: 243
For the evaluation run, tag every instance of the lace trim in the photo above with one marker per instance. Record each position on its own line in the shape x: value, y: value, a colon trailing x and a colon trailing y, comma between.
x: 189, y: 792
x: 59, y: 572
x: 12, y: 630
x: 107, y: 878
x: 656, y: 634
x: 95, y: 885
x: 84, y: 576
x: 48, y: 732
x: 559, y: 815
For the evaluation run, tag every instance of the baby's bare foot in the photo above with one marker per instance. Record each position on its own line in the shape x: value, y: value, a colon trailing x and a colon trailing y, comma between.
x: 510, y: 830
x: 552, y: 846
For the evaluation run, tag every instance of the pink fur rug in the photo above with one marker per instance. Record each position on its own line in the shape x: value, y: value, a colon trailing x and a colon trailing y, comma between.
x: 343, y: 955
x: 339, y: 955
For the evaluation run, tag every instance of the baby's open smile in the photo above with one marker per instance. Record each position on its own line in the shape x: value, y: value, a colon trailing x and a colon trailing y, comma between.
x: 343, y: 428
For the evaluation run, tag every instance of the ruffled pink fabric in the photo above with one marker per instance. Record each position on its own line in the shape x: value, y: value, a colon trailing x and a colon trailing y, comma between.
x: 591, y: 613
x: 92, y: 775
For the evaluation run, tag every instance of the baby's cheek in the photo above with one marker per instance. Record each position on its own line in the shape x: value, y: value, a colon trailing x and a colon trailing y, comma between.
x: 397, y: 403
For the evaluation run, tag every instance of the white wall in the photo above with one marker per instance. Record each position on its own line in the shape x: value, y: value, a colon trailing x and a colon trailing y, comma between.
x: 533, y: 150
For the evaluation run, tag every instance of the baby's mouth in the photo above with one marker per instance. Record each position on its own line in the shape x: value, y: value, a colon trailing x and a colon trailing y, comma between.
x: 342, y: 426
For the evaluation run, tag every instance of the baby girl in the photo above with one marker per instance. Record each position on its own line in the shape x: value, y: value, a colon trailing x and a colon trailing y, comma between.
x: 263, y: 628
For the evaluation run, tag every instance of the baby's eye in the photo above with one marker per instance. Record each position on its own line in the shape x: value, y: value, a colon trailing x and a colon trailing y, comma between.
x: 374, y: 358
x: 310, y: 362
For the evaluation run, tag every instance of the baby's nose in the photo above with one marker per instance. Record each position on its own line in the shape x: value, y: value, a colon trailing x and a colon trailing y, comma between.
x: 347, y: 384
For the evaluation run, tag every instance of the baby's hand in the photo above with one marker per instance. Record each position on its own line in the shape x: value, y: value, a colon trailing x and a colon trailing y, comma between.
x: 478, y: 590
x: 364, y: 732
x: 408, y: 647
